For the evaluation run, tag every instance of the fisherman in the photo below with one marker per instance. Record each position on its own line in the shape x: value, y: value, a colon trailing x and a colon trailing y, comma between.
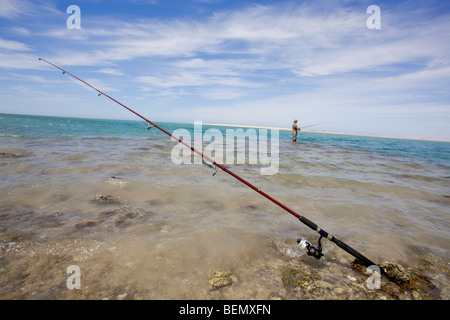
x: 295, y: 130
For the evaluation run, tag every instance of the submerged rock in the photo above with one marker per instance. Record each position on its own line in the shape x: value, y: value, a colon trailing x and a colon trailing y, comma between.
x: 122, y: 296
x: 85, y: 224
x: 219, y: 279
x: 397, y: 274
x: 19, y: 237
x: 358, y: 266
x: 414, y: 282
x: 250, y: 207
x: 49, y: 221
x: 125, y: 218
x: 106, y: 199
x: 8, y: 155
x: 296, y: 278
x: 109, y: 213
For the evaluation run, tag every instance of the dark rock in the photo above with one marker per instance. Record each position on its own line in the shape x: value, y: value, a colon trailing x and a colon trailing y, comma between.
x: 106, y: 199
x: 219, y: 279
x: 5, y: 155
x: 125, y: 218
x: 397, y: 274
x: 108, y: 213
x: 85, y: 224
x: 250, y: 207
x: 296, y: 278
x: 402, y: 280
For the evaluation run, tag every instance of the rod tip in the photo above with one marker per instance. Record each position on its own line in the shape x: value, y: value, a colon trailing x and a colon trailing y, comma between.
x: 40, y: 59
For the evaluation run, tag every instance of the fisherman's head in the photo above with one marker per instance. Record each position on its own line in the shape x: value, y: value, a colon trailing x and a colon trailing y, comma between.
x: 295, y: 120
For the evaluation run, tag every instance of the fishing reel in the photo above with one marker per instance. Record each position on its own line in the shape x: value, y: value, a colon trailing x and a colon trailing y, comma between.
x: 310, y: 250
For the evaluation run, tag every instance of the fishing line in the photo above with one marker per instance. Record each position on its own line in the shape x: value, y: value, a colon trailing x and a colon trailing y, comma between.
x: 303, y: 244
x: 313, y: 125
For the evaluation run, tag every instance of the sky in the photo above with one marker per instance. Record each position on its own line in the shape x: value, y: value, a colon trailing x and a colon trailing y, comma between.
x: 262, y: 63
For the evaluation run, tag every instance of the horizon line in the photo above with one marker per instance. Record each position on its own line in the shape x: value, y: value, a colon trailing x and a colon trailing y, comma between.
x: 326, y: 132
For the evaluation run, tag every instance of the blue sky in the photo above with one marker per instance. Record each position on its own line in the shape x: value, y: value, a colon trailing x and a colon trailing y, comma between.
x: 240, y: 62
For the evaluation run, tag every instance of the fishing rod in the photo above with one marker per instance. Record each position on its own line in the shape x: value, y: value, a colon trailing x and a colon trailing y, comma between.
x: 302, y: 243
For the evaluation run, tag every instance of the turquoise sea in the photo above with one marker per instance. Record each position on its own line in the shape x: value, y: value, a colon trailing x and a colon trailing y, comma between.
x: 105, y: 195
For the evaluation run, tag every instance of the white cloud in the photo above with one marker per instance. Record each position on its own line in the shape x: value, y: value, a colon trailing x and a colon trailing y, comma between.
x: 223, y: 93
x: 111, y: 71
x: 33, y: 78
x: 12, y: 8
x: 298, y: 38
x: 99, y: 84
x: 22, y: 61
x: 188, y: 79
x: 13, y: 45
x: 22, y: 31
x: 66, y: 34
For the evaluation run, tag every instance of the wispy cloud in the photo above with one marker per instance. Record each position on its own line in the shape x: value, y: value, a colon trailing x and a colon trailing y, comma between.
x: 10, y: 9
x: 111, y: 71
x: 13, y: 45
x: 301, y: 39
x: 22, y: 31
x: 23, y: 61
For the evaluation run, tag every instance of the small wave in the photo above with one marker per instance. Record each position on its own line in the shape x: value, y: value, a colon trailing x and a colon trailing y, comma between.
x: 82, y: 249
x: 117, y: 182
x: 102, y: 138
x: 292, y: 250
x: 12, y: 135
x: 10, y: 155
x: 288, y: 250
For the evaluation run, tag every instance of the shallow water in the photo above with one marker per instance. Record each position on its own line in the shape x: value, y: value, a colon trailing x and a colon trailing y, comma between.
x: 106, y: 196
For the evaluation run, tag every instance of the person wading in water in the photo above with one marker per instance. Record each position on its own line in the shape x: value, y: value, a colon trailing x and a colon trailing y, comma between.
x: 295, y: 130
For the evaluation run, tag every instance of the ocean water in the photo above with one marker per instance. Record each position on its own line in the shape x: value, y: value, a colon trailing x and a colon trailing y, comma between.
x: 106, y: 196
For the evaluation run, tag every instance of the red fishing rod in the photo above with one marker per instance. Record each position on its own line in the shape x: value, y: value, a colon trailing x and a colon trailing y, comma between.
x: 303, y: 244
